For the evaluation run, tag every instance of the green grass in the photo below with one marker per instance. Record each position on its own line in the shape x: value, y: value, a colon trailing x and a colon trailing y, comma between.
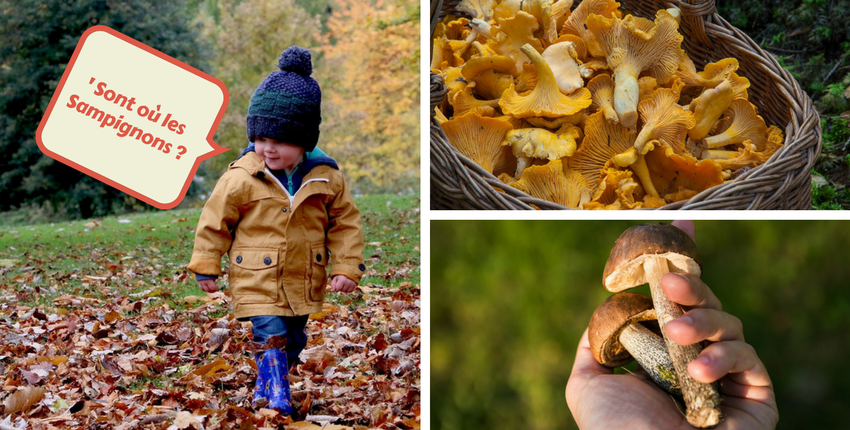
x: 146, y: 254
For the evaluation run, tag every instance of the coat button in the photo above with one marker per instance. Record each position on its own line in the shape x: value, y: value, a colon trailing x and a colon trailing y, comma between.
x: 239, y: 259
x: 284, y: 209
x: 362, y: 267
x: 267, y: 261
x: 319, y: 257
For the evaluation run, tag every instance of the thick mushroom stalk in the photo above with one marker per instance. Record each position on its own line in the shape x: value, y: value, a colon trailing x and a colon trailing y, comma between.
x: 643, y: 254
x: 616, y: 336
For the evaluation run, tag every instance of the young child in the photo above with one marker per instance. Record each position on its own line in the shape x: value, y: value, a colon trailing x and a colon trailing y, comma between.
x: 278, y: 211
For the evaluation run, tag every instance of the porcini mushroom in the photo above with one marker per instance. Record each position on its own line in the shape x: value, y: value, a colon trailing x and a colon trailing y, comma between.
x: 643, y: 254
x: 545, y: 99
x: 617, y: 336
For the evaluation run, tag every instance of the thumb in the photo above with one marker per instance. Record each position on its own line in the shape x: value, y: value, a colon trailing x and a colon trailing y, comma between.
x: 585, y: 368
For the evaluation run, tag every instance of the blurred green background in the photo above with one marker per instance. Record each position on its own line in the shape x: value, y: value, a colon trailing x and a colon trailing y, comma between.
x: 510, y: 300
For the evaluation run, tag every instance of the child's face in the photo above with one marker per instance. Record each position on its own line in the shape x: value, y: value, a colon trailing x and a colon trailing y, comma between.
x: 278, y: 155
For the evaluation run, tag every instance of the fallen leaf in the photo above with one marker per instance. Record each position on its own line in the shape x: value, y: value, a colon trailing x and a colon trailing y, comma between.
x: 185, y: 420
x: 22, y: 400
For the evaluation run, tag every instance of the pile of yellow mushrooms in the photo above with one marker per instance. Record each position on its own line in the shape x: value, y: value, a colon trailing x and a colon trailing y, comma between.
x: 591, y: 110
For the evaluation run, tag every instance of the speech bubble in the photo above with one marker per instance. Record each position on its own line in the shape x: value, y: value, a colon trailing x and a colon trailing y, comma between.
x: 132, y: 117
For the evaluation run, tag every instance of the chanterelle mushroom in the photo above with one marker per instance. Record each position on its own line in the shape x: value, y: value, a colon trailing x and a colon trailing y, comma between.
x: 708, y: 108
x: 643, y: 254
x: 545, y: 99
x: 602, y: 94
x: 478, y: 138
x: 561, y: 58
x: 616, y: 336
x: 631, y: 47
x: 529, y: 143
x: 747, y: 124
x: 550, y: 182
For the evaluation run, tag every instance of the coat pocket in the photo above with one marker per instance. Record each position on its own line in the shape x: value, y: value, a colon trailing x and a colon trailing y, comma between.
x: 253, y: 275
x: 319, y: 276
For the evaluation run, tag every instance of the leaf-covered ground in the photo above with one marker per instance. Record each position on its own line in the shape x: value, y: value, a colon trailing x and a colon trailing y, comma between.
x: 102, y: 327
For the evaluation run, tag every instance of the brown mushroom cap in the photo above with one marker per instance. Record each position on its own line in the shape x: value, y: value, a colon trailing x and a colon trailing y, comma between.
x: 624, y: 268
x: 608, y: 321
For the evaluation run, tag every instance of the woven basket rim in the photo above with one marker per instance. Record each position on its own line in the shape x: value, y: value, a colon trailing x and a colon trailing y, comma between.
x: 803, y: 126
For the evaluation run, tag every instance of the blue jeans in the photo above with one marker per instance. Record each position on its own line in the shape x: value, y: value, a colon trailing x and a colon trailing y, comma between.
x: 291, y: 328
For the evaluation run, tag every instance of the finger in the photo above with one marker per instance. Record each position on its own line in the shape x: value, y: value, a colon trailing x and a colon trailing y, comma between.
x: 585, y: 368
x: 730, y: 388
x: 689, y: 290
x: 687, y: 226
x: 736, y: 358
x: 698, y: 325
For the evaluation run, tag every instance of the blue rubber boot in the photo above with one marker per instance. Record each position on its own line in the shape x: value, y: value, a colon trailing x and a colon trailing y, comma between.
x: 260, y: 398
x: 274, y: 374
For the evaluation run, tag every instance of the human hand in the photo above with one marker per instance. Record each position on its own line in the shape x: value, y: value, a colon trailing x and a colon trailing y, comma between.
x: 600, y: 399
x: 208, y: 285
x: 342, y: 284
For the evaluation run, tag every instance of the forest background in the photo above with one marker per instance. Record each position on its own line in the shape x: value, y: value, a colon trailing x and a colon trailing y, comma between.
x: 365, y: 57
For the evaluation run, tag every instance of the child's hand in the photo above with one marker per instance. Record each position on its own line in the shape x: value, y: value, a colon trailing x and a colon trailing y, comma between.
x: 342, y: 284
x: 208, y: 285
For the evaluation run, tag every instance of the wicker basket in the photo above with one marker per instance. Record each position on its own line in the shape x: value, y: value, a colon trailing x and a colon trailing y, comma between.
x: 783, y: 182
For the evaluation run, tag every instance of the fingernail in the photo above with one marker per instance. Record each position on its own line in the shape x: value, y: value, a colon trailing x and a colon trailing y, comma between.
x: 686, y: 320
x: 682, y: 276
x: 704, y: 360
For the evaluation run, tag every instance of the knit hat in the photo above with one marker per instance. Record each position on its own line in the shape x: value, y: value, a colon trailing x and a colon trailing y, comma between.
x: 287, y: 104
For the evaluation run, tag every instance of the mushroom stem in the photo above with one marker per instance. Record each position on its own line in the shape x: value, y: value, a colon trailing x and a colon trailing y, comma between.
x: 642, y: 172
x: 716, y: 154
x: 650, y: 351
x: 702, y: 401
x: 522, y: 163
x: 719, y: 140
x: 626, y: 96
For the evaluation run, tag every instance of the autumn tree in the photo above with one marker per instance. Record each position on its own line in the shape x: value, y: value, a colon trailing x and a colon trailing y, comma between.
x: 37, y: 39
x: 247, y: 37
x: 369, y: 76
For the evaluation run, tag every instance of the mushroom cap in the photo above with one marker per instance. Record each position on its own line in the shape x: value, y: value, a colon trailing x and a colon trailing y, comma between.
x: 551, y: 182
x: 624, y: 268
x: 545, y: 99
x: 709, y: 107
x: 670, y: 172
x: 512, y: 33
x: 608, y: 321
x: 561, y: 58
x: 478, y: 138
x: 664, y: 120
x: 603, y: 140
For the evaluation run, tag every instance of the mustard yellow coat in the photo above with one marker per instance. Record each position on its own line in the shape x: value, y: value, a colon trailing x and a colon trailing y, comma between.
x: 278, y: 243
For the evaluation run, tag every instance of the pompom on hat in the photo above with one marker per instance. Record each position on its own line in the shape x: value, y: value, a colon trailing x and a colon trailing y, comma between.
x: 287, y: 106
